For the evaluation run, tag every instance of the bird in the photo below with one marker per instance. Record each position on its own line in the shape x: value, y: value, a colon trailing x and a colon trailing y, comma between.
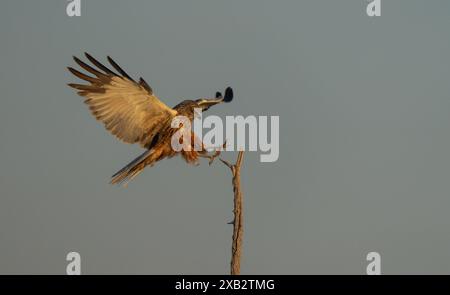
x: 131, y: 111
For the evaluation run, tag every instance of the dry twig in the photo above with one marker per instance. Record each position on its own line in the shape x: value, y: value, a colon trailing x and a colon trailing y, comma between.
x: 238, y: 225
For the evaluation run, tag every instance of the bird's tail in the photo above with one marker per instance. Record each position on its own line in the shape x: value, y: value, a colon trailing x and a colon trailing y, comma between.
x: 130, y: 171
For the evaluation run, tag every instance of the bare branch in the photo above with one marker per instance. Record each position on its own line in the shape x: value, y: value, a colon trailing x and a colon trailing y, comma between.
x: 238, y: 225
x: 227, y: 164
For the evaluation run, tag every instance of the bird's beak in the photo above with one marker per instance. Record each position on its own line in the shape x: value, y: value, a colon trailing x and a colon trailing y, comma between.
x: 207, y: 103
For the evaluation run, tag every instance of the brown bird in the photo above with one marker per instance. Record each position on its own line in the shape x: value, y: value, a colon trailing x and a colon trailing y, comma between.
x: 132, y: 112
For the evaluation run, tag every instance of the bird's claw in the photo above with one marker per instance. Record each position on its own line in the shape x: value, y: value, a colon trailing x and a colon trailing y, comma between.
x: 216, y: 153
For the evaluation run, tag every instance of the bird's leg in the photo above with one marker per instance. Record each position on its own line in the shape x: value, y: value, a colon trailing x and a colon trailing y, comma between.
x: 217, y: 152
x: 209, y: 156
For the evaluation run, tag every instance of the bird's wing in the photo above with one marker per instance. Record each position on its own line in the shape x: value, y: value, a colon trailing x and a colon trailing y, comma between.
x: 128, y: 109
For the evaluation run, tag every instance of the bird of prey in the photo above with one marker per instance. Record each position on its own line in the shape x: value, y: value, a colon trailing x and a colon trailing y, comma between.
x: 134, y: 114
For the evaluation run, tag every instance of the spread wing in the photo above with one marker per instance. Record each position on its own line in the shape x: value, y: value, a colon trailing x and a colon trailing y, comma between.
x: 128, y: 109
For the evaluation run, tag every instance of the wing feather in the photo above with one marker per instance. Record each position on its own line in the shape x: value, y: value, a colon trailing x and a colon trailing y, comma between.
x: 99, y: 65
x: 119, y: 69
x: 129, y: 110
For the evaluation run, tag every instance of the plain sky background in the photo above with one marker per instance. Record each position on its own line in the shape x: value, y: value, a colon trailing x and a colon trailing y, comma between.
x: 364, y: 138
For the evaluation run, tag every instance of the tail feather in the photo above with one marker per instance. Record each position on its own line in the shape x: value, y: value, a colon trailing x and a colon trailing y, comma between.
x: 127, y: 173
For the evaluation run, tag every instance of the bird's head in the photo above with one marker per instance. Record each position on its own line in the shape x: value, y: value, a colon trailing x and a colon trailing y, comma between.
x: 190, y: 108
x: 206, y: 103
